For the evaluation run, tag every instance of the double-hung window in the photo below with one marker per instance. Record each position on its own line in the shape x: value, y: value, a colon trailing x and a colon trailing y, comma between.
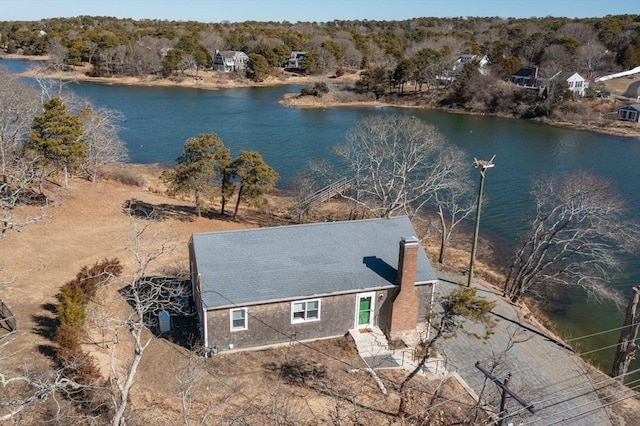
x: 238, y: 319
x: 307, y: 310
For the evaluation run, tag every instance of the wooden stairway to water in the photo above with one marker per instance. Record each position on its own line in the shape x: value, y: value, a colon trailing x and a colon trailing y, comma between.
x: 320, y: 196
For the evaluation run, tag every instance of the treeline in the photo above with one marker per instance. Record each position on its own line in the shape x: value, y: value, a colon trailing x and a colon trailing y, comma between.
x: 159, y: 47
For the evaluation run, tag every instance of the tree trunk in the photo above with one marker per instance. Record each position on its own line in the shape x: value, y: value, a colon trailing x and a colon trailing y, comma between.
x: 235, y: 212
x: 197, y: 201
x: 443, y: 236
x: 626, y: 350
x: 121, y: 406
x: 66, y: 176
x: 224, y: 203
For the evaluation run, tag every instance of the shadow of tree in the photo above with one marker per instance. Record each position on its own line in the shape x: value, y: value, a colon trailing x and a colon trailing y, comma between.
x: 45, y: 326
x: 159, y: 212
x: 49, y: 351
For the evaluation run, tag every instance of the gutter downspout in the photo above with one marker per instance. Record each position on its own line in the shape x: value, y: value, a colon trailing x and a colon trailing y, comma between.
x: 205, y: 331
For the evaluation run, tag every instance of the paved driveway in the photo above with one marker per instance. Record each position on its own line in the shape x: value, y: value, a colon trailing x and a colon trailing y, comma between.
x: 543, y: 372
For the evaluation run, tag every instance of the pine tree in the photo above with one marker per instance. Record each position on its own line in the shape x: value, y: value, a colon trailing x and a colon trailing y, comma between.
x: 200, y: 163
x: 55, y: 138
x: 256, y: 177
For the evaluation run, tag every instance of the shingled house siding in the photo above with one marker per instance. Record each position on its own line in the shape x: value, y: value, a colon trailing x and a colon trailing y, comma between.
x: 270, y: 324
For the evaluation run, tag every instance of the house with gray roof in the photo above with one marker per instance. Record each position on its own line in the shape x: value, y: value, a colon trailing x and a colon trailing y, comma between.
x: 629, y: 113
x: 530, y: 77
x: 260, y: 287
x: 230, y: 61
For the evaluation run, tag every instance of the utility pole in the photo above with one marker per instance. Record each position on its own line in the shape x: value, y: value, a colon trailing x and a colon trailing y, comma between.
x: 626, y: 345
x: 481, y: 165
x: 505, y: 391
x: 503, y: 402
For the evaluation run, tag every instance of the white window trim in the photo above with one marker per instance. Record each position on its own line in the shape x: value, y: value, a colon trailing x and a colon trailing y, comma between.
x: 298, y: 320
x: 246, y: 320
x: 359, y: 296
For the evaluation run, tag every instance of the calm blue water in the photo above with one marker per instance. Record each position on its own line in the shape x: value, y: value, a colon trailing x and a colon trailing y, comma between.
x: 159, y: 120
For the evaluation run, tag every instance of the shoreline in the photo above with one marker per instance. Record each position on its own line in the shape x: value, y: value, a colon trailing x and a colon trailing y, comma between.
x: 213, y: 80
x: 204, y: 79
x: 624, y: 129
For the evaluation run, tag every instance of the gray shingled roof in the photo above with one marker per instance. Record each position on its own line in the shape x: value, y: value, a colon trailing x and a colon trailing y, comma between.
x: 631, y: 106
x: 253, y: 266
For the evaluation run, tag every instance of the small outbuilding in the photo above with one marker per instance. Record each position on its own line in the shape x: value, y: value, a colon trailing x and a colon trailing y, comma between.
x: 267, y: 286
x: 629, y: 113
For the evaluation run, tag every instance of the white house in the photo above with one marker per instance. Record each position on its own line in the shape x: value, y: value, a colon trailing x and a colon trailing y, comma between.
x: 482, y: 61
x: 577, y: 84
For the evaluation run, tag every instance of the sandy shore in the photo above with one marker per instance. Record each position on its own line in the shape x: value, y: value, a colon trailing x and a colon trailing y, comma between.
x: 207, y: 79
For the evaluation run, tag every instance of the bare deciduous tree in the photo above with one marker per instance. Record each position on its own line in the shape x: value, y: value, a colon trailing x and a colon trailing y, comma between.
x: 578, y: 232
x: 19, y: 103
x: 100, y: 135
x: 454, y: 206
x: 398, y: 164
x: 30, y: 387
x: 19, y: 204
x: 189, y: 373
x: 146, y: 295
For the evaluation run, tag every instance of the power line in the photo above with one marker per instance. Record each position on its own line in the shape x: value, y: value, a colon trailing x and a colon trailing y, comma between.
x: 601, y: 407
x: 604, y: 348
x: 566, y: 393
x: 599, y: 333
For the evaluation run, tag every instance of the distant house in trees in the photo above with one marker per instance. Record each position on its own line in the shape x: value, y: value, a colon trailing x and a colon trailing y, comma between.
x: 230, y: 61
x: 530, y: 77
x: 577, y: 84
x: 260, y: 287
x: 295, y: 60
x: 533, y: 78
x: 629, y: 113
x: 449, y: 75
x: 482, y: 62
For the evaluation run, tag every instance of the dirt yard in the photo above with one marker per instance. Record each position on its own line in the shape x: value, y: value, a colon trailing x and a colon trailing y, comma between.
x: 89, y: 222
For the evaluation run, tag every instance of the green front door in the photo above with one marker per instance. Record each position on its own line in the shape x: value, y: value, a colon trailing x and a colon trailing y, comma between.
x: 364, y: 314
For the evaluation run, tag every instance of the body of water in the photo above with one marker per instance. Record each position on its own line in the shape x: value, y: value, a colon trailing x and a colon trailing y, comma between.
x: 159, y: 120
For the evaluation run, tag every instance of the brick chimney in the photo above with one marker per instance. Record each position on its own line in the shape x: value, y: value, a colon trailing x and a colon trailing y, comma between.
x: 404, y: 311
